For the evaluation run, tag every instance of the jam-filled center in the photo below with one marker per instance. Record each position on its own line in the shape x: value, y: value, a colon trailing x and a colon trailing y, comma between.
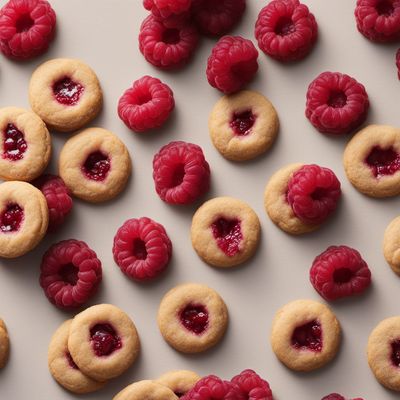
x: 242, y: 123
x: 194, y: 318
x: 308, y: 337
x: 97, y: 166
x: 11, y: 218
x: 14, y: 144
x: 228, y: 234
x: 104, y: 340
x: 337, y: 99
x: 67, y: 92
x: 395, y: 356
x: 284, y: 26
x: 385, y: 7
x: 383, y: 161
x: 70, y: 360
x: 69, y: 274
x: 24, y: 23
x: 139, y: 249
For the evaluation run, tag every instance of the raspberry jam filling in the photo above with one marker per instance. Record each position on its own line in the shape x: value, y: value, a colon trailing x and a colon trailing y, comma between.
x: 70, y: 361
x: 242, y: 123
x: 97, y: 166
x: 228, y: 235
x: 69, y: 274
x: 337, y: 99
x: 104, y: 340
x: 67, y: 92
x: 194, y: 318
x: 284, y: 26
x: 308, y: 337
x: 14, y: 144
x: 383, y: 161
x: 385, y: 8
x: 139, y: 249
x: 24, y: 23
x: 396, y: 353
x: 11, y: 218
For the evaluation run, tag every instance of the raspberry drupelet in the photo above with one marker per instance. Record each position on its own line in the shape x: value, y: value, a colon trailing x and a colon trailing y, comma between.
x: 286, y: 30
x: 142, y: 249
x: 181, y: 173
x: 339, y: 272
x: 232, y: 64
x: 398, y: 63
x: 70, y: 273
x: 167, y: 48
x: 252, y: 386
x: 26, y: 28
x: 58, y: 199
x: 336, y: 103
x: 337, y: 396
x: 217, y: 18
x: 378, y: 20
x: 313, y: 193
x: 146, y: 105
x: 172, y: 13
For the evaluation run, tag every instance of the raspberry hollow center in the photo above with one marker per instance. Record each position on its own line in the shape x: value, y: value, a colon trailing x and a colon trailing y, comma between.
x: 97, y: 166
x: 67, y: 92
x: 178, y: 175
x: 337, y: 99
x: 104, y: 340
x: 171, y: 36
x: 69, y: 274
x: 228, y: 235
x: 383, y: 161
x: 24, y: 23
x: 385, y: 8
x: 14, y: 144
x: 11, y: 218
x: 139, y: 249
x: 342, y: 275
x: 284, y: 26
x: 308, y: 337
x: 242, y: 122
x: 194, y: 318
x: 396, y: 353
x: 70, y: 361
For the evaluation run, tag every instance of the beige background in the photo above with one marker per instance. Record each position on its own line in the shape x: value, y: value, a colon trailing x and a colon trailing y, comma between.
x: 104, y: 34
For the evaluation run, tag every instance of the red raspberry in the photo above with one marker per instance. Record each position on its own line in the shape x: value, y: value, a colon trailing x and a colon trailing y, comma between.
x: 70, y: 273
x: 213, y: 388
x: 146, y: 105
x: 58, y: 199
x: 333, y: 396
x: 252, y: 386
x: 232, y: 64
x: 336, y: 103
x: 313, y: 193
x: 378, y: 20
x: 216, y: 18
x: 181, y: 173
x: 172, y: 13
x: 398, y: 62
x: 142, y: 249
x: 167, y: 48
x: 339, y: 272
x: 26, y: 28
x: 286, y: 30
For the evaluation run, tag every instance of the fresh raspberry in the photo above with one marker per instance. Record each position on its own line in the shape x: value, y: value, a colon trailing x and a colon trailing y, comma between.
x: 378, y: 20
x: 142, y: 249
x: 252, y: 386
x: 146, y: 105
x: 70, y: 273
x: 26, y: 28
x: 181, y: 173
x: 172, y: 13
x: 339, y: 272
x: 58, y: 199
x: 398, y: 62
x: 313, y: 193
x: 286, y: 30
x: 336, y: 103
x: 232, y: 64
x: 213, y: 388
x: 333, y: 396
x: 217, y: 18
x: 167, y: 48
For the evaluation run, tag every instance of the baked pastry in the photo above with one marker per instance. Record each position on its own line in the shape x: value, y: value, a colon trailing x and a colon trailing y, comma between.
x: 391, y: 245
x: 148, y: 390
x: 4, y: 344
x: 180, y: 382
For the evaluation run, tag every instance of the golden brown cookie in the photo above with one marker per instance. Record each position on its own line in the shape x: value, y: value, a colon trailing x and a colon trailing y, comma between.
x: 24, y: 217
x: 180, y: 382
x: 103, y: 342
x: 95, y: 165
x: 391, y: 245
x: 63, y: 368
x: 65, y: 93
x: 305, y: 335
x: 383, y: 353
x: 4, y: 344
x: 192, y: 318
x: 25, y: 145
x: 372, y: 161
x: 243, y: 125
x: 225, y: 232
x: 146, y: 390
